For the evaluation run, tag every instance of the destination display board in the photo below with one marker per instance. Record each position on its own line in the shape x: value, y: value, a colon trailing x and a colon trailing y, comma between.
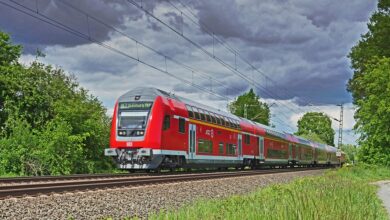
x: 135, y: 105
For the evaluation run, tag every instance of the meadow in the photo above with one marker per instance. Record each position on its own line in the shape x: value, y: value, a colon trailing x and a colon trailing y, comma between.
x: 346, y: 193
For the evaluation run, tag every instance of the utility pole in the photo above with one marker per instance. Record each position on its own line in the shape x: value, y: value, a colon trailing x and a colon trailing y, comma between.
x: 340, y: 141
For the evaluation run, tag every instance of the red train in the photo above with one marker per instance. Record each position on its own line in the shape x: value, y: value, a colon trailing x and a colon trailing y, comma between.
x: 153, y: 129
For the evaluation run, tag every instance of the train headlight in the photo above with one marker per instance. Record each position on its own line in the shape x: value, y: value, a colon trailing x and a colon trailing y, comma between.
x: 141, y: 132
x: 122, y: 133
x: 138, y: 133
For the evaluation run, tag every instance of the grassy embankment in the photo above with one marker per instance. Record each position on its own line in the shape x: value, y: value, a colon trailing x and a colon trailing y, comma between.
x: 342, y: 194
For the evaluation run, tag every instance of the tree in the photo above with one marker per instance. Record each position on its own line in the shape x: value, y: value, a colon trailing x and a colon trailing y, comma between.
x: 313, y: 137
x: 316, y: 123
x: 350, y: 152
x: 375, y: 43
x: 249, y: 105
x: 48, y: 123
x: 370, y: 87
x: 9, y: 53
x: 373, y: 113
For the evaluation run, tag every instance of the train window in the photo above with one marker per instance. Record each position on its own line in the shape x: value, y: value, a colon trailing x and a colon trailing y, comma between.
x: 205, y: 146
x: 190, y: 112
x: 196, y: 112
x: 222, y: 121
x: 220, y: 148
x: 218, y: 119
x: 230, y: 149
x: 237, y: 124
x: 227, y: 123
x: 213, y: 118
x: 202, y: 115
x: 166, y: 122
x: 182, y: 125
x: 231, y: 123
x: 208, y: 117
x: 247, y: 139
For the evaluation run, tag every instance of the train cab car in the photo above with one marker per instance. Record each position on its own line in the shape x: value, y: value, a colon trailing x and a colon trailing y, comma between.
x: 141, y: 123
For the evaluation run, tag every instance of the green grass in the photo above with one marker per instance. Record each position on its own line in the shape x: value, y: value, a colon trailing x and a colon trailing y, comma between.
x: 342, y: 194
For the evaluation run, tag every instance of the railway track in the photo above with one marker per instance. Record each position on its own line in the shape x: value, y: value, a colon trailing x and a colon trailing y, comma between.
x: 64, y: 178
x: 34, y: 189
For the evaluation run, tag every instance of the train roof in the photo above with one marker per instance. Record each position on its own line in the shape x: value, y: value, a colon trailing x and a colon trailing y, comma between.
x: 150, y: 93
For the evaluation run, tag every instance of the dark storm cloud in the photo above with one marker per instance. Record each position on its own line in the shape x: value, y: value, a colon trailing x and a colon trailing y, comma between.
x: 300, y: 44
x: 33, y: 33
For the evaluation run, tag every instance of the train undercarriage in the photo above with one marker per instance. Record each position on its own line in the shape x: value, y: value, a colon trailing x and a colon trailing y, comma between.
x: 143, y: 159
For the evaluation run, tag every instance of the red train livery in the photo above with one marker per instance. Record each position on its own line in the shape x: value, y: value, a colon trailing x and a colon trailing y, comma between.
x: 152, y: 129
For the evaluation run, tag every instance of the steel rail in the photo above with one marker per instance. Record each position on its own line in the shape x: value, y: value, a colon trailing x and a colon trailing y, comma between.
x: 64, y: 177
x: 10, y: 191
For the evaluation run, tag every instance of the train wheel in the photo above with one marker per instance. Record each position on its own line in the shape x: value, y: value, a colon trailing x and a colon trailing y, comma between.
x: 131, y: 171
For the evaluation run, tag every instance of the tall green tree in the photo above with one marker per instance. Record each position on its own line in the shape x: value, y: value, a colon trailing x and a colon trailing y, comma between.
x: 249, y: 105
x: 375, y: 43
x: 370, y: 87
x: 48, y: 123
x: 316, y: 123
x: 373, y: 113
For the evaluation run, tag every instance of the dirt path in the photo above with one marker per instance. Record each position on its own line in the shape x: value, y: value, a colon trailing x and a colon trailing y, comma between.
x: 384, y: 194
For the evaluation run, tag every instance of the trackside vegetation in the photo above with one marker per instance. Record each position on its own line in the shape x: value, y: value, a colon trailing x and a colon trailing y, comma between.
x: 49, y: 125
x: 342, y: 194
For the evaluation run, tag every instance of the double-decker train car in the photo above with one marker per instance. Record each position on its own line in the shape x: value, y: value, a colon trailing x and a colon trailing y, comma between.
x: 153, y: 129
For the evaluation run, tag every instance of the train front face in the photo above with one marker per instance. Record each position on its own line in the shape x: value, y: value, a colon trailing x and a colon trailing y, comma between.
x: 134, y: 131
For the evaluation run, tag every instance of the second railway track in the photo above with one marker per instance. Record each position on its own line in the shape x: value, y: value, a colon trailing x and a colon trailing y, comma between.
x: 20, y: 190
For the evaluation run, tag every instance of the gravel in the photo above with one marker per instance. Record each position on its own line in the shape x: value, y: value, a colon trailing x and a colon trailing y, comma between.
x: 136, y: 201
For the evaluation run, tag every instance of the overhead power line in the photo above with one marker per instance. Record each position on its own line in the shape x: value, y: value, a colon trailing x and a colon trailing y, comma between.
x: 70, y: 30
x: 229, y: 67
x: 36, y: 14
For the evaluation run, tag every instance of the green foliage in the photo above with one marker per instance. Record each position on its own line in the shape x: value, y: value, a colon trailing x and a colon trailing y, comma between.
x: 370, y: 87
x: 350, y: 151
x: 255, y: 110
x: 48, y: 124
x: 373, y: 114
x: 375, y: 43
x: 343, y: 194
x: 9, y: 53
x: 313, y: 137
x: 316, y: 126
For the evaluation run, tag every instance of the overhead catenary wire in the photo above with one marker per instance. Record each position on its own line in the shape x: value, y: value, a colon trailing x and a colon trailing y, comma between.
x: 68, y: 29
x: 232, y: 50
x: 204, y: 75
x: 232, y: 69
x: 166, y: 57
x: 36, y: 14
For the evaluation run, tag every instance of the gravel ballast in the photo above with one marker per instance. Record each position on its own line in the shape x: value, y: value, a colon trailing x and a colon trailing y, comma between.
x: 135, y: 201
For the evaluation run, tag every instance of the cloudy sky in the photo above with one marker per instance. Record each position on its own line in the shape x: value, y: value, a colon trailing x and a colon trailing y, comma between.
x: 292, y: 52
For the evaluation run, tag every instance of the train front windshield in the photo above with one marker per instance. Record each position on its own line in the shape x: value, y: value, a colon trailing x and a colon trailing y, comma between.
x: 132, y: 118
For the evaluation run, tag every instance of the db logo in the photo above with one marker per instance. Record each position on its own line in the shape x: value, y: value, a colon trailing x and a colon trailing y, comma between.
x: 129, y: 144
x: 210, y: 133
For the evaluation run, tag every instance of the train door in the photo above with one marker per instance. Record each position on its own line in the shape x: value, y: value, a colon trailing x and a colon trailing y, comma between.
x: 261, y: 148
x: 290, y: 150
x: 191, y: 141
x: 239, y: 146
x: 297, y: 152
